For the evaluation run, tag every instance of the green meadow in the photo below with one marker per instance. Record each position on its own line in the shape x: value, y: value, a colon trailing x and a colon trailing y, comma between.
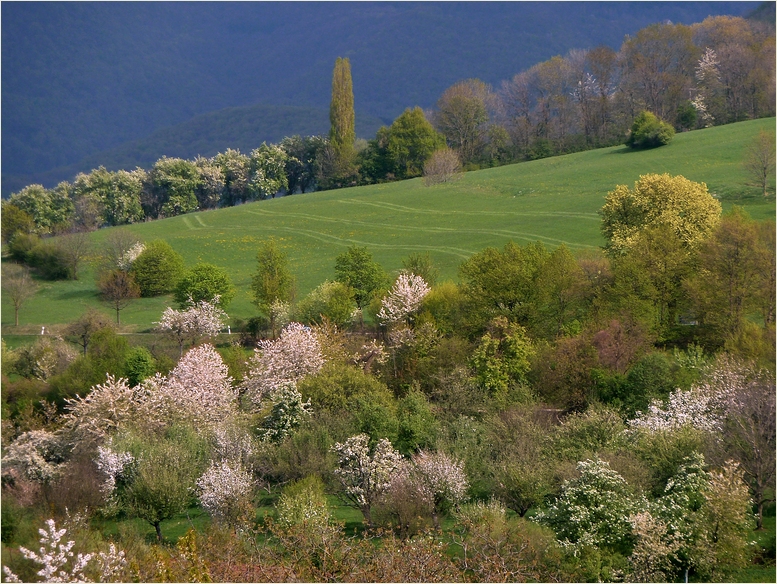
x: 554, y: 200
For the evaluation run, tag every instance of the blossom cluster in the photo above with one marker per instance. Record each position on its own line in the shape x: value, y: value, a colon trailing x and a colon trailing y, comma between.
x: 112, y: 465
x: 109, y: 407
x: 295, y: 354
x: 443, y: 477
x: 124, y: 263
x: 201, y: 319
x: 37, y: 455
x: 403, y: 299
x: 705, y: 406
x: 366, y: 475
x: 225, y: 491
x: 199, y: 388
x: 55, y: 556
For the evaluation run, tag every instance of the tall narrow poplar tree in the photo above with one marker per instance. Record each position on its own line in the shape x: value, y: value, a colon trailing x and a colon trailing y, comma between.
x: 342, y: 133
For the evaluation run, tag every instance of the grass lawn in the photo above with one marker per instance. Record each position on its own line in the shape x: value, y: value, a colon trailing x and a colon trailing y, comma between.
x: 554, y: 200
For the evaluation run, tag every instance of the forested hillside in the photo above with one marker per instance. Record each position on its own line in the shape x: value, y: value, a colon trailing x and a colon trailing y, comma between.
x: 83, y: 78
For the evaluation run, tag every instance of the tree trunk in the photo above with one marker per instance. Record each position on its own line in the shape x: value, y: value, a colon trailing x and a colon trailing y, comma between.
x: 158, y: 529
x: 367, y: 515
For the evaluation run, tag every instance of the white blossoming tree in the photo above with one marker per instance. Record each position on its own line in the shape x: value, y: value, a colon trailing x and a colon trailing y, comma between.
x: 225, y: 491
x: 60, y: 564
x: 199, y: 389
x: 201, y: 319
x: 287, y: 412
x: 403, y: 299
x: 295, y: 354
x: 36, y: 455
x: 593, y: 509
x: 366, y: 475
x: 444, y: 479
x: 109, y: 407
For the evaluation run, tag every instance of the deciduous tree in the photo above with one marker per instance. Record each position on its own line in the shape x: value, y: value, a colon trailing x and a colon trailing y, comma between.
x: 272, y: 282
x: 19, y: 286
x: 119, y: 289
x: 204, y: 282
x: 684, y: 205
x: 759, y: 161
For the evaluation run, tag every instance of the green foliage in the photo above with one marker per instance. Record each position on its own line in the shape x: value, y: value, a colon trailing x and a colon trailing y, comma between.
x: 356, y: 268
x: 172, y: 188
x: 648, y: 131
x: 161, y: 482
x: 333, y: 301
x: 337, y: 386
x: 204, y: 282
x: 50, y: 261
x: 303, y: 502
x: 14, y: 220
x: 422, y: 265
x: 139, y: 364
x: 417, y: 424
x: 158, y: 269
x: 503, y: 357
x: 49, y: 209
x: 272, y: 283
x: 443, y: 306
x: 685, y: 206
x: 501, y: 283
x: 411, y: 141
x: 593, y: 509
x: 342, y: 117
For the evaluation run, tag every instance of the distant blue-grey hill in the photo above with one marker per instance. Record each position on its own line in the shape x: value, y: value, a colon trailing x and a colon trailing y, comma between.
x: 82, y: 78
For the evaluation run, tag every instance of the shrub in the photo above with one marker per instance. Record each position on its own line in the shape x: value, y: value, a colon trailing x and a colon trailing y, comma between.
x: 50, y: 261
x: 443, y: 166
x: 204, y: 282
x: 158, y: 269
x: 648, y: 131
x: 331, y: 300
x: 138, y: 365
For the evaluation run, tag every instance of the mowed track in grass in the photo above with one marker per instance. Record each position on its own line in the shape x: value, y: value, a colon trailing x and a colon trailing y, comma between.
x: 554, y: 200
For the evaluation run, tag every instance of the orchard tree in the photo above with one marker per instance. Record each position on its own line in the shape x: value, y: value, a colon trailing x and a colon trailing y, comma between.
x: 119, y: 289
x: 163, y: 475
x: 443, y: 478
x: 403, y: 299
x: 593, y: 509
x: 19, y: 286
x: 272, y: 282
x: 356, y: 268
x: 684, y: 205
x: 225, y: 491
x: 366, y: 475
x: 200, y: 319
x: 295, y: 354
x: 204, y: 282
x: 83, y: 329
x: 444, y: 165
x: 332, y: 301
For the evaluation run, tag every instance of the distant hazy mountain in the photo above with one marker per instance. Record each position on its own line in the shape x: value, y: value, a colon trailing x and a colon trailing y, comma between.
x: 79, y: 78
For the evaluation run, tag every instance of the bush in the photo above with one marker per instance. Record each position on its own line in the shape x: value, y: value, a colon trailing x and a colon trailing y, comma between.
x: 443, y: 166
x: 138, y: 365
x: 158, y: 269
x: 331, y: 300
x: 50, y: 261
x: 648, y: 131
x: 204, y: 282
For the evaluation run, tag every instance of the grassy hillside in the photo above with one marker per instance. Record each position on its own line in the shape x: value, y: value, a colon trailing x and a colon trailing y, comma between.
x: 554, y: 200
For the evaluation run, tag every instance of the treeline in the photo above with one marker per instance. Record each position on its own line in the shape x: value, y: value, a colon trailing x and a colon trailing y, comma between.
x: 715, y: 72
